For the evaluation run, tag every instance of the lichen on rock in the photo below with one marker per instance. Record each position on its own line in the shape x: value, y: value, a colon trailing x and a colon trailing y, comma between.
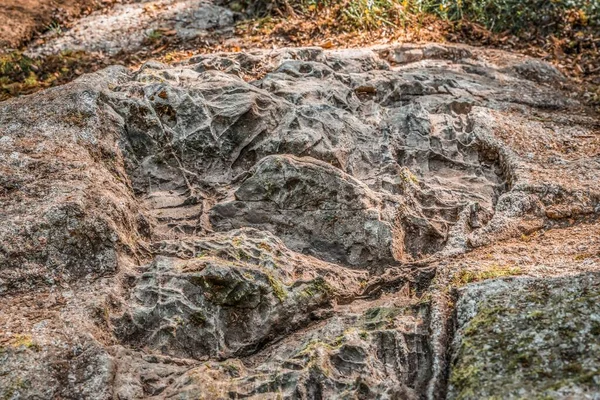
x: 531, y: 338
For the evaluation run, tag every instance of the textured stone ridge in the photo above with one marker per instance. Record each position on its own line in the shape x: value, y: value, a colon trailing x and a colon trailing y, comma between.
x: 229, y: 295
x: 67, y: 209
x: 316, y: 209
x: 294, y: 223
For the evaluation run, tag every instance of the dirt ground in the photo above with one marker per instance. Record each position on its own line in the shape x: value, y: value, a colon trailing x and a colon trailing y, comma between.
x: 22, y: 19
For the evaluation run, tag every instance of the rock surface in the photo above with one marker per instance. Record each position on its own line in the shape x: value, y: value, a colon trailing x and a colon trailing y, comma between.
x: 230, y: 295
x: 528, y: 338
x: 294, y: 224
x: 127, y: 27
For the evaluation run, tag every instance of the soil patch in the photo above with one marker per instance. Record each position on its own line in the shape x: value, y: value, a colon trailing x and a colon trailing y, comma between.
x: 22, y: 19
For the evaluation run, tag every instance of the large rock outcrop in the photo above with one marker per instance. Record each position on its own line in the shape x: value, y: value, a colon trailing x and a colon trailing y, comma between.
x: 294, y: 223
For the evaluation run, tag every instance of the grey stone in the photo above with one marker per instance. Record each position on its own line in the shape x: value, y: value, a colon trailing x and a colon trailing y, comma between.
x: 293, y: 224
x: 528, y: 338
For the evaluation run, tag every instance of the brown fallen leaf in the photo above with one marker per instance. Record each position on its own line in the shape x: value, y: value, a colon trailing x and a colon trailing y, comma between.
x: 326, y: 45
x: 167, y: 32
x: 158, y: 50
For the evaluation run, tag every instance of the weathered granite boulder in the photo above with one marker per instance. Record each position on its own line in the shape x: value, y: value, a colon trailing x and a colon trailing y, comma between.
x: 29, y: 370
x: 293, y: 223
x: 529, y: 338
x: 66, y: 205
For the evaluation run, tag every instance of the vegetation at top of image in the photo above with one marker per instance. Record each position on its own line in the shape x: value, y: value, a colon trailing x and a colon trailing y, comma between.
x: 55, y: 28
x: 465, y: 276
x: 496, y: 15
